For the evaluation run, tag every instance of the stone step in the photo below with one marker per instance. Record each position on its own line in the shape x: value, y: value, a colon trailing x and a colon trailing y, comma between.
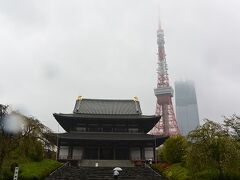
x: 106, y: 163
x: 103, y: 173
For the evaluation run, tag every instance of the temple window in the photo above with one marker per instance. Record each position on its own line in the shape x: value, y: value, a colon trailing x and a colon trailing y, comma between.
x: 120, y: 129
x: 81, y: 129
x: 133, y: 130
x: 93, y: 128
x: 107, y: 129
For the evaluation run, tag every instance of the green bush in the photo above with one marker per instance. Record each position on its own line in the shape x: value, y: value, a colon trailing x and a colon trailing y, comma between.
x: 214, y: 174
x: 231, y: 175
x: 174, y: 149
x: 37, y: 170
x: 160, y: 154
x: 177, y: 172
x: 172, y: 172
x: 37, y: 152
x: 208, y: 174
x: 6, y: 174
x: 160, y: 167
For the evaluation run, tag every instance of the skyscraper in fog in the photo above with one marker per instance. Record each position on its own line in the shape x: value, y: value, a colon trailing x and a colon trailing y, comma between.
x: 186, y: 106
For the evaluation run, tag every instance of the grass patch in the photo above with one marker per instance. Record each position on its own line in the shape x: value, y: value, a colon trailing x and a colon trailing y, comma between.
x: 160, y: 167
x: 214, y: 174
x: 37, y: 170
x: 177, y: 172
x: 172, y: 172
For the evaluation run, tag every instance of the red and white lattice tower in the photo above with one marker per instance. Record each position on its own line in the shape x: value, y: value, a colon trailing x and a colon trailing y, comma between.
x: 167, y: 125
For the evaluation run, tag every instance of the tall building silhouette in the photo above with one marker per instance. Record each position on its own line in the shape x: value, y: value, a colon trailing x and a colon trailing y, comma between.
x: 186, y: 106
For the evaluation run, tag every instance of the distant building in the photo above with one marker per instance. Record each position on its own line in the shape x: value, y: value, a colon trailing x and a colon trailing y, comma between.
x: 186, y: 106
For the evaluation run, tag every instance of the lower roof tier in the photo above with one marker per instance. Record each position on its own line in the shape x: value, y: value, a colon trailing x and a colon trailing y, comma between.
x: 71, y: 121
x: 92, y: 136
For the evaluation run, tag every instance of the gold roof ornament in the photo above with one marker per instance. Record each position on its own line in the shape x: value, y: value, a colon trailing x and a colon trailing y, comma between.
x: 79, y: 98
x: 135, y: 98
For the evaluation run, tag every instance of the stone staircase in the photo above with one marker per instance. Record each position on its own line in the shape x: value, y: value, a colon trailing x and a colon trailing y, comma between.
x: 103, y: 173
x: 106, y: 163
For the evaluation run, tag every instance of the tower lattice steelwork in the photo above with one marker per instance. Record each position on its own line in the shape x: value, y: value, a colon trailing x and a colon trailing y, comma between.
x: 164, y: 93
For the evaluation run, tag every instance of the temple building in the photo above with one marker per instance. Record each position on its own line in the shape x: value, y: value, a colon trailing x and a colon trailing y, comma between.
x: 107, y: 129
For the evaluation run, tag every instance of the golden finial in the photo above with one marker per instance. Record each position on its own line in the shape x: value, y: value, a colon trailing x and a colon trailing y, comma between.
x: 79, y: 98
x: 135, y: 98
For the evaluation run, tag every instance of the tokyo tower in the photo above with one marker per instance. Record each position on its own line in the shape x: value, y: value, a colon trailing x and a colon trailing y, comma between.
x: 167, y: 125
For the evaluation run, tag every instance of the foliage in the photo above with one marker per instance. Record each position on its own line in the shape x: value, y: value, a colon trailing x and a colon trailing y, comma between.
x: 232, y: 126
x: 36, y: 152
x: 212, y: 152
x: 29, y: 142
x: 172, y: 172
x: 214, y: 174
x: 7, y: 140
x: 211, y: 147
x: 159, y: 153
x: 38, y: 170
x: 174, y: 149
x: 207, y: 174
x: 37, y: 131
x: 33, y: 170
x: 177, y: 172
x: 160, y: 167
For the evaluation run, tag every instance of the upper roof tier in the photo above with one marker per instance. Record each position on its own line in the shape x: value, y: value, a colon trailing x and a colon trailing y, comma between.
x: 107, y: 106
x: 106, y: 112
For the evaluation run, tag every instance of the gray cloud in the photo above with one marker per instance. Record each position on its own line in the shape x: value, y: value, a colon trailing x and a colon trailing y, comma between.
x: 52, y: 51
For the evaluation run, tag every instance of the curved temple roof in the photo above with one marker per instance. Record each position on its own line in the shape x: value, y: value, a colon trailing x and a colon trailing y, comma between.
x: 71, y: 120
x: 110, y: 111
x: 107, y: 106
x: 91, y: 136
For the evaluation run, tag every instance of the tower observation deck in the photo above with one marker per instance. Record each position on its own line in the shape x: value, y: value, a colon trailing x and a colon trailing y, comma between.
x: 164, y: 93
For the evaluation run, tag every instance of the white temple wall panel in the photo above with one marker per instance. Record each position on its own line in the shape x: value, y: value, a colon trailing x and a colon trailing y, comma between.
x: 77, y: 152
x: 149, y: 153
x: 135, y: 153
x: 63, y: 152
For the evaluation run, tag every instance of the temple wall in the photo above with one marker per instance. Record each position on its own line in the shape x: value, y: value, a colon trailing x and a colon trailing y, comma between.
x: 81, y: 152
x: 135, y: 153
x: 63, y: 152
x: 77, y: 152
x: 149, y: 153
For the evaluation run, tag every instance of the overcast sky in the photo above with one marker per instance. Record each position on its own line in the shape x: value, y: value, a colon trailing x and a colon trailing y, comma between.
x: 51, y: 51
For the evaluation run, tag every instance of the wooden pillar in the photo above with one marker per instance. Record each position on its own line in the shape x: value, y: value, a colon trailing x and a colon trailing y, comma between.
x: 114, y: 152
x: 83, y: 153
x: 141, y: 153
x: 98, y: 152
x: 70, y: 149
x: 58, y: 149
x: 154, y: 154
x: 129, y: 152
x: 154, y: 151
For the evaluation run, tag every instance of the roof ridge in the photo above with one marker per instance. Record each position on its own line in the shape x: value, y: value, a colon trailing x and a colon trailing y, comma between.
x: 92, y: 99
x: 96, y: 114
x: 107, y: 106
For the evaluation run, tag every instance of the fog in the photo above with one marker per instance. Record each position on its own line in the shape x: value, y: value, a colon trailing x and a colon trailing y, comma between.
x: 53, y: 51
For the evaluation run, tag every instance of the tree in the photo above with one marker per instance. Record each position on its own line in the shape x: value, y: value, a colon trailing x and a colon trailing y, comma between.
x: 7, y: 140
x: 30, y: 140
x: 174, y: 149
x: 232, y: 126
x: 212, y: 147
x: 37, y: 138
